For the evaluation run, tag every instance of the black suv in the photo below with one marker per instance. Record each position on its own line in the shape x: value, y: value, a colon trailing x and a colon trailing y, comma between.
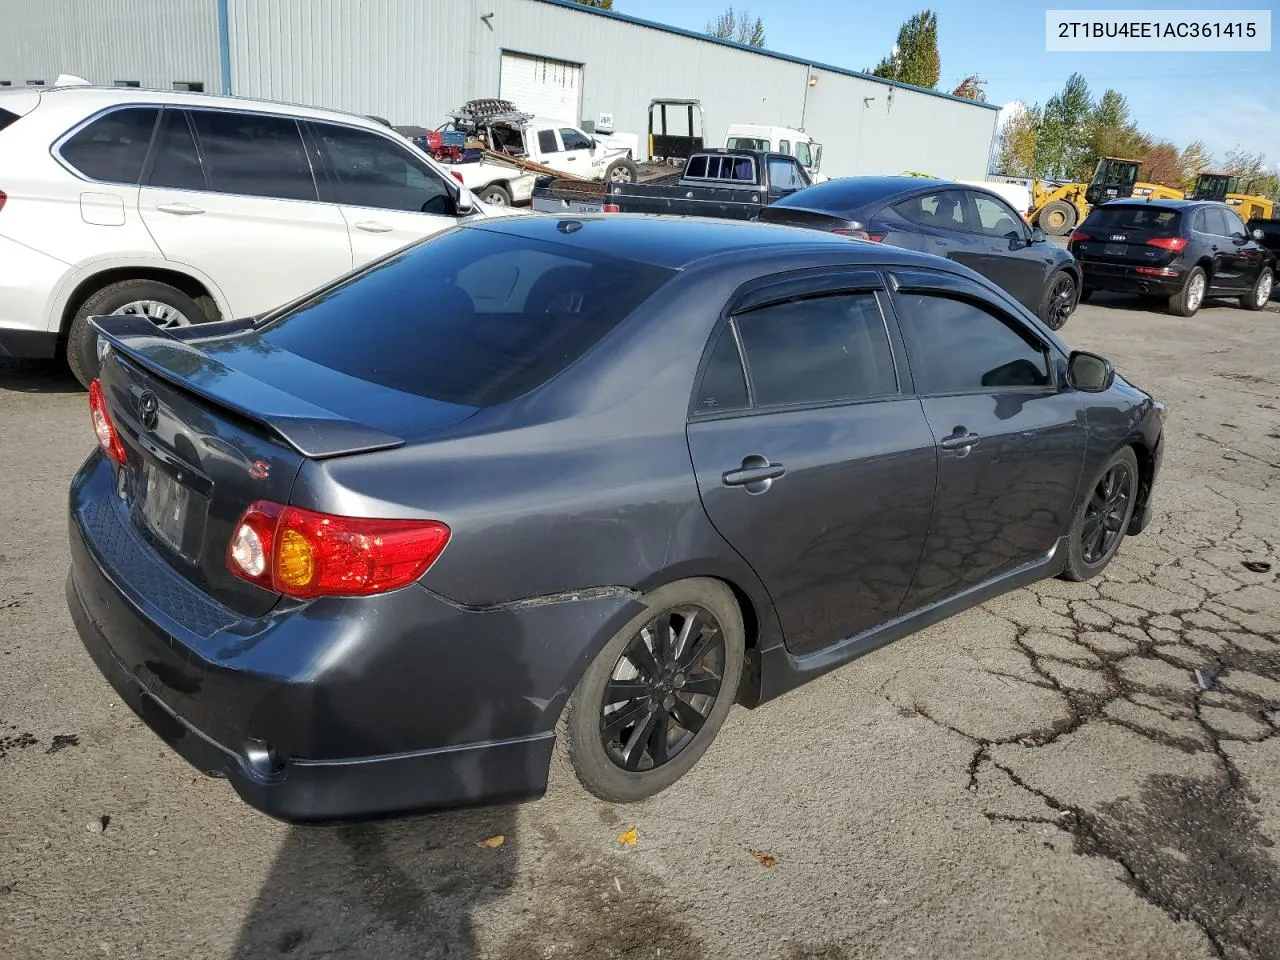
x: 1182, y: 250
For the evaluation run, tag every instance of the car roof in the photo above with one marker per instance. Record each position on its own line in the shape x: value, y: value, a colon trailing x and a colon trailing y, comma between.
x: 671, y: 242
x: 92, y: 98
x: 1170, y: 203
x: 849, y: 193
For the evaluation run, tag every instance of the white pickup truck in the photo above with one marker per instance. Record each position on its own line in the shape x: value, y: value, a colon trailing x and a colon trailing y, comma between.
x: 496, y: 183
x: 551, y: 143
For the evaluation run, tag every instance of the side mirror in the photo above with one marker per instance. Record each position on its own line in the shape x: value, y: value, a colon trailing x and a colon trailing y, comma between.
x: 462, y: 205
x: 595, y: 145
x: 1089, y: 372
x: 1259, y: 235
x: 1037, y: 235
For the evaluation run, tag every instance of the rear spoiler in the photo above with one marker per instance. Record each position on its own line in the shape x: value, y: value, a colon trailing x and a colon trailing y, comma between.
x: 171, y: 355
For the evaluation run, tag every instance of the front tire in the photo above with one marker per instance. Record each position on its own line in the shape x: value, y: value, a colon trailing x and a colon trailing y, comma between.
x: 167, y: 306
x: 1187, y: 301
x: 1102, y: 517
x: 655, y: 697
x: 1260, y: 295
x: 1059, y: 300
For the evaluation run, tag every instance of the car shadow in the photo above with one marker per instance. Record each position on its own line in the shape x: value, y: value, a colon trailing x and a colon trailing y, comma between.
x: 1138, y: 304
x: 37, y: 376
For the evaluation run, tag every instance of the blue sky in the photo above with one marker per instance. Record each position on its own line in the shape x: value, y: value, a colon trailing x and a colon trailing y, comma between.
x: 1224, y: 99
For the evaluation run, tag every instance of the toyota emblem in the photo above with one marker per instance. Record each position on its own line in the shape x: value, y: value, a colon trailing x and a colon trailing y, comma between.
x: 148, y: 409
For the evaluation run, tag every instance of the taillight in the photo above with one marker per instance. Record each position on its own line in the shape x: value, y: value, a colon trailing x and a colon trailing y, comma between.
x: 103, y: 428
x: 3, y: 197
x: 305, y: 554
x: 611, y: 208
x: 1168, y: 243
x: 1078, y: 235
x: 857, y: 234
x: 457, y: 176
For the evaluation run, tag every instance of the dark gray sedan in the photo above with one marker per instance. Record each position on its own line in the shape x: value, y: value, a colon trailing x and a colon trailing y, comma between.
x: 961, y: 222
x: 597, y: 478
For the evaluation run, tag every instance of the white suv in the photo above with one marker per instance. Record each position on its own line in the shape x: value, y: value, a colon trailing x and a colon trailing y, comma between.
x: 188, y: 208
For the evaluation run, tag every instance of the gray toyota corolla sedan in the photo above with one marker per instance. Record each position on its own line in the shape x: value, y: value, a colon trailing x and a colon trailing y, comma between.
x: 595, y: 478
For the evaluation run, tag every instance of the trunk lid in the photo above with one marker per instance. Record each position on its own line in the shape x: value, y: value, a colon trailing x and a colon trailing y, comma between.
x: 1123, y: 236
x: 206, y: 435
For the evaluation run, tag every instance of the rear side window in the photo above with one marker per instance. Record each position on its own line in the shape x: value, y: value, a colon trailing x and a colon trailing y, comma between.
x: 1159, y: 219
x: 176, y: 162
x: 7, y: 117
x: 547, y: 142
x: 957, y: 347
x: 254, y: 155
x: 723, y: 386
x: 370, y: 170
x: 113, y: 147
x: 942, y: 211
x: 818, y: 350
x: 746, y: 143
x: 470, y: 317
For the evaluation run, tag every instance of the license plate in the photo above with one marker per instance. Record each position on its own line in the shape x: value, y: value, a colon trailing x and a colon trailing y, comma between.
x: 1115, y: 249
x: 165, y: 506
x: 589, y: 208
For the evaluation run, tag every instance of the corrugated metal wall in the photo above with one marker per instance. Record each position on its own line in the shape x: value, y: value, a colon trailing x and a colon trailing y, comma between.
x: 412, y: 60
x: 155, y: 42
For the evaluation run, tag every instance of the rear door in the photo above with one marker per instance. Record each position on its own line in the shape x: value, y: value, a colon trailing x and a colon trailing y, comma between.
x: 817, y: 466
x: 232, y: 195
x: 1010, y: 261
x: 1216, y: 235
x: 388, y: 195
x: 944, y: 226
x: 1010, y: 442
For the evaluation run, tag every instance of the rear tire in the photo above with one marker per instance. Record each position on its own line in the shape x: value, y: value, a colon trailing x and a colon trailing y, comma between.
x: 1100, y: 521
x: 1260, y: 295
x: 622, y: 170
x: 1188, y: 300
x: 1058, y: 218
x: 82, y: 343
x: 496, y: 195
x: 605, y: 771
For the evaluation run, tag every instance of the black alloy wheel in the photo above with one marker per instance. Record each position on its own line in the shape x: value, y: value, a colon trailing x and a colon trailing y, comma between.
x: 1107, y: 513
x: 663, y: 688
x: 1060, y: 301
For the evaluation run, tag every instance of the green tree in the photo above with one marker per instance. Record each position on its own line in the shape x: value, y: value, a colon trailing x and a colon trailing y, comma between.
x: 915, y: 58
x: 738, y: 27
x: 1193, y: 161
x: 971, y: 88
x: 1111, y: 133
x: 1062, y: 147
x: 1018, y: 143
x: 598, y: 4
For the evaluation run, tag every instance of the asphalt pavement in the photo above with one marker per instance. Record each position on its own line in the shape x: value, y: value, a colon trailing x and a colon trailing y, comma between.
x: 1071, y: 771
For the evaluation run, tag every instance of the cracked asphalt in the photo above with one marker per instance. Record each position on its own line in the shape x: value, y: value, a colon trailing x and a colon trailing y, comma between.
x: 1069, y: 771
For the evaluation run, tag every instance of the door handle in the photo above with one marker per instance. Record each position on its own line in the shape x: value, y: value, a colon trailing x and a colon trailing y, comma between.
x: 757, y: 474
x: 372, y: 226
x: 958, y: 441
x: 179, y: 209
x: 570, y: 159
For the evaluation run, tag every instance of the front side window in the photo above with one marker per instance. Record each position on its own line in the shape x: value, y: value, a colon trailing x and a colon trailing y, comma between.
x: 957, y: 347
x: 574, y: 139
x: 1215, y: 219
x: 547, y: 142
x: 1235, y: 226
x: 369, y: 170
x: 254, y: 155
x: 804, y: 155
x: 784, y: 174
x: 818, y: 350
x: 113, y: 147
x: 997, y: 219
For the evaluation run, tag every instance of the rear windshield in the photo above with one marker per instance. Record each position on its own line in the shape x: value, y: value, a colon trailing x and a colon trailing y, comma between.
x: 7, y: 117
x: 703, y: 166
x: 1146, y: 217
x: 746, y: 143
x: 470, y: 317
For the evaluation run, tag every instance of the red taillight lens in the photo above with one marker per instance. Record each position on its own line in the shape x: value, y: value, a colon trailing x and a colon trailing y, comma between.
x: 103, y: 428
x: 1168, y: 243
x: 1078, y: 235
x: 3, y: 197
x: 858, y: 234
x: 456, y: 175
x: 611, y: 208
x: 305, y: 554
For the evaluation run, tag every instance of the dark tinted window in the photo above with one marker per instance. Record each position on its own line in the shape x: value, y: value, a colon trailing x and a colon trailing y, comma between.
x: 784, y: 174
x: 113, y: 147
x: 997, y: 218
x: 957, y: 346
x: 1215, y: 221
x: 746, y: 143
x: 702, y: 166
x: 942, y: 211
x: 1198, y: 223
x: 7, y: 117
x: 818, y: 350
x: 254, y: 155
x: 1235, y: 226
x: 547, y: 142
x: 470, y: 317
x: 1164, y: 220
x: 723, y: 386
x: 370, y: 170
x: 573, y: 140
x: 176, y: 163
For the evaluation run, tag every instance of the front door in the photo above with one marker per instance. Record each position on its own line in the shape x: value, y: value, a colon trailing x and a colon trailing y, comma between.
x: 1010, y: 442
x: 388, y: 195
x: 821, y: 472
x: 242, y: 207
x: 1009, y: 260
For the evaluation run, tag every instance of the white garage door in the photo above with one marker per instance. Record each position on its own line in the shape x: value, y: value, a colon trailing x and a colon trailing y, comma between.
x: 547, y: 88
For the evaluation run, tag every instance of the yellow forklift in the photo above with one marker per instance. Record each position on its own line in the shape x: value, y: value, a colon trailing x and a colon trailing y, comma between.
x: 1057, y: 208
x: 1225, y: 188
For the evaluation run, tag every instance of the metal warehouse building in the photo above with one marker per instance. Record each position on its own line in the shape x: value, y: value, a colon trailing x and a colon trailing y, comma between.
x: 412, y: 61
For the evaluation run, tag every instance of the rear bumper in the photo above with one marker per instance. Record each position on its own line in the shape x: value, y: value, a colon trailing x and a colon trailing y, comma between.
x: 1122, y: 279
x: 337, y: 710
